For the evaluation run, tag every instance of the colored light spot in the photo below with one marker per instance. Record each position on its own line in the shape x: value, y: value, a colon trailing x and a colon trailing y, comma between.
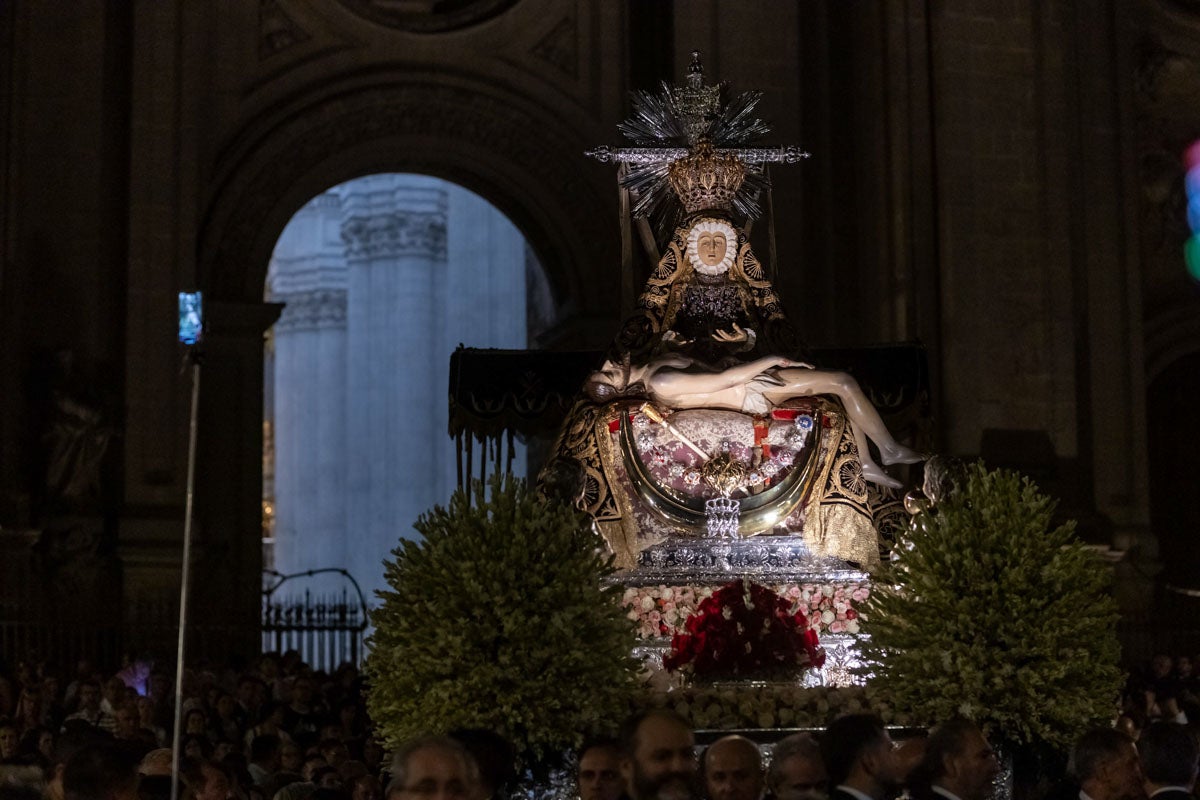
x: 1191, y: 182
x: 1193, y: 213
x: 1191, y: 156
x: 1191, y: 255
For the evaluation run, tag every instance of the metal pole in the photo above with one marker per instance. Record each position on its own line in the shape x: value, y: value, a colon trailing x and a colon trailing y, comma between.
x: 183, y: 585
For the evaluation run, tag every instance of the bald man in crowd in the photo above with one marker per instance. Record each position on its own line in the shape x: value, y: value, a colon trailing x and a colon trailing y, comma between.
x: 733, y: 769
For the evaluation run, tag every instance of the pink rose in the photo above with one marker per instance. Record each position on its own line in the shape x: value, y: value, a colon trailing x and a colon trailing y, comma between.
x: 837, y: 627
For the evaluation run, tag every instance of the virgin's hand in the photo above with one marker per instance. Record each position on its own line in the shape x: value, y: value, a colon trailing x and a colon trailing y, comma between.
x: 738, y: 334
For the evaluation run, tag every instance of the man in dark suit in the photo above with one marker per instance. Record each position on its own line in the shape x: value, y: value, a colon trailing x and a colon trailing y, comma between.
x: 1105, y: 763
x: 959, y: 764
x: 860, y: 758
x: 1170, y: 757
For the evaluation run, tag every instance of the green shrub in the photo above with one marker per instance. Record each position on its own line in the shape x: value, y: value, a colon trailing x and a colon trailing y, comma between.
x: 499, y: 619
x: 988, y: 613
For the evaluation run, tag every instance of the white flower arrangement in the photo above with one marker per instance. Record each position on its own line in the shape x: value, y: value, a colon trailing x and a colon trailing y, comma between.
x: 772, y: 705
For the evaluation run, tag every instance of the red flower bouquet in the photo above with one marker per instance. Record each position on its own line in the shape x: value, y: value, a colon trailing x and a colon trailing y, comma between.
x: 744, y: 630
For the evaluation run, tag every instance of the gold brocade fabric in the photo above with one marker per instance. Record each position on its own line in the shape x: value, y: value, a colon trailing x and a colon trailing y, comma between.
x: 839, y: 522
x: 842, y: 516
x: 578, y: 444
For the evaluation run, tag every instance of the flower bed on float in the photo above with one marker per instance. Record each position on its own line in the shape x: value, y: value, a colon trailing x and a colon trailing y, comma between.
x: 771, y: 705
x: 830, y: 607
x: 744, y: 630
x: 743, y: 655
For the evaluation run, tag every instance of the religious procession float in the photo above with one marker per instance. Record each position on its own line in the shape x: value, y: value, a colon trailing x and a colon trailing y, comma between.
x: 732, y: 480
x: 753, y: 533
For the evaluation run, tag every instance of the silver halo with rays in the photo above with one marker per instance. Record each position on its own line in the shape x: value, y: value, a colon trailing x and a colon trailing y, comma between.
x: 663, y: 128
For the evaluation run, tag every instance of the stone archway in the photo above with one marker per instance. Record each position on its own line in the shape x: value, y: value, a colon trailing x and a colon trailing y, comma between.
x: 518, y: 156
x: 515, y: 155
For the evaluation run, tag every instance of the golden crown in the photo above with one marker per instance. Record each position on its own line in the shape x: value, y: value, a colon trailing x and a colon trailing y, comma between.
x: 705, y: 179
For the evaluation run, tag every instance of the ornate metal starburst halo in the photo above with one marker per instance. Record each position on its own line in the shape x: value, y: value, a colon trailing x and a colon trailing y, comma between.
x: 675, y: 123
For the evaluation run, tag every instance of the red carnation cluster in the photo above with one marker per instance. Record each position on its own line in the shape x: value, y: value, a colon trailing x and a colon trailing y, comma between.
x: 744, y: 629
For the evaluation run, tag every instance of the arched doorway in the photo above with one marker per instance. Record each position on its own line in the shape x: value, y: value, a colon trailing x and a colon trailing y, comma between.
x: 472, y: 133
x: 380, y: 279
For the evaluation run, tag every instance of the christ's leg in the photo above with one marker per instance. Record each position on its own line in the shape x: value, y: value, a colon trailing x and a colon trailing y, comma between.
x: 871, y: 471
x: 803, y: 382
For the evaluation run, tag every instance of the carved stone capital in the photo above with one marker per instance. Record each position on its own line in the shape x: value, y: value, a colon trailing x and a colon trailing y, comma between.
x: 394, y: 234
x: 319, y: 309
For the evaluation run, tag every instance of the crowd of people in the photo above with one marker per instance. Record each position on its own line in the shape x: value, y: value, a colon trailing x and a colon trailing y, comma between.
x: 1167, y: 687
x: 247, y: 731
x: 855, y: 758
x: 277, y: 730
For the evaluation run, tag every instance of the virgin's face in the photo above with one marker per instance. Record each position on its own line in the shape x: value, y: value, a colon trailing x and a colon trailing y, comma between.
x: 710, y: 247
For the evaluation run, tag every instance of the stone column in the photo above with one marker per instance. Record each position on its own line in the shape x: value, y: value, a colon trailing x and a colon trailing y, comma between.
x: 227, y: 535
x: 308, y: 275
x: 394, y: 228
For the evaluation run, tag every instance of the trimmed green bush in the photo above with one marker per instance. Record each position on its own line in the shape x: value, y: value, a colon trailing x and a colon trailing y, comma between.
x: 499, y: 619
x: 988, y: 613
